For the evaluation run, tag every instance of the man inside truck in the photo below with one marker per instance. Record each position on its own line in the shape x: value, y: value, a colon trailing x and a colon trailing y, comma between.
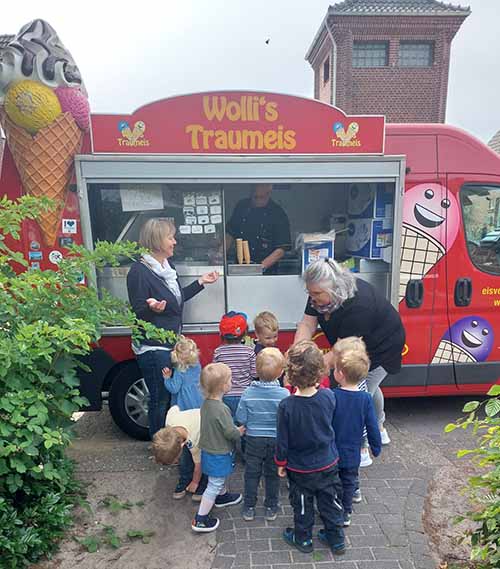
x: 264, y: 224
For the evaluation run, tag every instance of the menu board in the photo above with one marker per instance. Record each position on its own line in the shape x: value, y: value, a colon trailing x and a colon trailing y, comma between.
x: 202, y: 213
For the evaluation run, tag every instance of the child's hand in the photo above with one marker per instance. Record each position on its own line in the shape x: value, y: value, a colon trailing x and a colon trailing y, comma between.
x: 242, y: 430
x: 166, y: 372
x: 281, y: 471
x: 156, y: 305
x: 192, y: 487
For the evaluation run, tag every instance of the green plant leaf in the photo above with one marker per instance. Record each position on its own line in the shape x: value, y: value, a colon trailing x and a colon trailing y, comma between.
x: 470, y: 406
x: 494, y: 390
x: 492, y: 407
x: 450, y: 427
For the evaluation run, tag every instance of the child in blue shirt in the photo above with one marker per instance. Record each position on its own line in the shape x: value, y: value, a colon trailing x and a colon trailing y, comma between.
x: 355, y: 413
x: 306, y: 451
x: 184, y: 385
x: 257, y: 411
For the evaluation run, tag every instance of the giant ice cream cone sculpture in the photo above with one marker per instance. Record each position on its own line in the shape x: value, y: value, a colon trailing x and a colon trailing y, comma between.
x: 44, y: 114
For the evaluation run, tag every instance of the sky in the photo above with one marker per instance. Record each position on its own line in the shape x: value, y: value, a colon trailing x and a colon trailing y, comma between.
x: 133, y: 52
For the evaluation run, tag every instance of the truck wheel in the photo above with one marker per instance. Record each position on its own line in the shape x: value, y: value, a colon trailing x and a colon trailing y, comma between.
x: 128, y: 402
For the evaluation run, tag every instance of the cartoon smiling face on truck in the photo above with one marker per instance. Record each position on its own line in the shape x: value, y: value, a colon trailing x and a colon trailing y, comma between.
x: 431, y: 219
x: 470, y: 339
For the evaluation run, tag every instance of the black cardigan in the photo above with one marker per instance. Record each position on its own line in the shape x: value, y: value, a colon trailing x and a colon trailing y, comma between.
x: 143, y: 283
x: 371, y: 316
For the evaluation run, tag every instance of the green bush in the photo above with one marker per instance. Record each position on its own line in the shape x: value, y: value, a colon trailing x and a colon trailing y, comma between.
x: 47, y: 321
x: 483, y: 490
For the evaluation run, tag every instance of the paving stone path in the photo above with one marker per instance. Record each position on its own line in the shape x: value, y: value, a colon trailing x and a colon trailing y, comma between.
x: 386, y: 530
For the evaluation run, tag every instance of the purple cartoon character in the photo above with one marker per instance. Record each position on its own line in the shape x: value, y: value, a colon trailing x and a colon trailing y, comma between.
x: 431, y: 219
x: 470, y: 339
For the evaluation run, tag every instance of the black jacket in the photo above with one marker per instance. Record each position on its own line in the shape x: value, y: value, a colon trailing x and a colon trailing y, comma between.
x: 143, y: 283
x: 371, y: 316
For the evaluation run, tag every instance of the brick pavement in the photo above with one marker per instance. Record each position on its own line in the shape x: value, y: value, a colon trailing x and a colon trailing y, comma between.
x: 386, y: 530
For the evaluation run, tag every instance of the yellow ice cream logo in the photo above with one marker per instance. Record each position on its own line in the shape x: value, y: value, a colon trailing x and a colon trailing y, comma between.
x: 346, y: 136
x: 132, y: 136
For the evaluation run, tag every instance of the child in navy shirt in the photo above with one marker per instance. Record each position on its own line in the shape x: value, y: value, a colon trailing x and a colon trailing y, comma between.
x: 306, y: 451
x: 354, y: 414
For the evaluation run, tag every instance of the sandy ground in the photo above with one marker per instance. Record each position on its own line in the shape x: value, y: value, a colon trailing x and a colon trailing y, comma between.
x: 111, y: 464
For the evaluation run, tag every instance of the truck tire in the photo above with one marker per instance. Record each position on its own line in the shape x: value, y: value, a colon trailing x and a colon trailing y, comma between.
x: 128, y: 402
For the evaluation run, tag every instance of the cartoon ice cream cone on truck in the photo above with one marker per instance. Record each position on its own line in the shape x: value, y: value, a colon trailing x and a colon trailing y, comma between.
x: 44, y: 112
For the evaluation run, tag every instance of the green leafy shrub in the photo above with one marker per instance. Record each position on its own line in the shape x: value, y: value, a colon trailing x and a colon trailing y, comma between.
x: 483, y: 490
x: 47, y: 321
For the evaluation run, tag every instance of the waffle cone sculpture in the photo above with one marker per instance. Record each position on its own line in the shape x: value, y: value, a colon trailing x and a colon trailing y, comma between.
x: 45, y: 163
x: 44, y: 114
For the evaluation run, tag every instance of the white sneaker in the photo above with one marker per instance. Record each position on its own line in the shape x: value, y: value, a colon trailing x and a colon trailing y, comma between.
x: 384, y: 435
x: 366, y: 459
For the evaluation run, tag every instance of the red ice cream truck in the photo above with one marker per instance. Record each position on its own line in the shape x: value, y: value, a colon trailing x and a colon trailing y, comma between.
x: 412, y: 209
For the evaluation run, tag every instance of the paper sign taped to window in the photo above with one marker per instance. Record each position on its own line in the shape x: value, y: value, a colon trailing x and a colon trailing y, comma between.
x: 141, y: 198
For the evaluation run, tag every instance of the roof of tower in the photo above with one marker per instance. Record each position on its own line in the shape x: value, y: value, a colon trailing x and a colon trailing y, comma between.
x: 396, y: 8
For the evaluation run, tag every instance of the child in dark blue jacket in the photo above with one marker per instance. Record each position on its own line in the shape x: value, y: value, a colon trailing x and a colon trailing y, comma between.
x: 353, y: 414
x: 306, y: 451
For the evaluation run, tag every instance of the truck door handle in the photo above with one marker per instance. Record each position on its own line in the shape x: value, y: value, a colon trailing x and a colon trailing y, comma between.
x: 463, y: 291
x: 414, y: 293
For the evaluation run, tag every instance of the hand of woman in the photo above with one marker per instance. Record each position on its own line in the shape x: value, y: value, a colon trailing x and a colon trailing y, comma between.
x: 281, y: 471
x: 209, y: 278
x: 156, y: 305
x: 192, y: 487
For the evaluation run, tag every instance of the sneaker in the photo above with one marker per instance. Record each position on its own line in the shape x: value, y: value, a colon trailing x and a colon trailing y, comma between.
x: 204, y: 524
x: 347, y: 519
x: 179, y: 492
x: 384, y: 435
x: 304, y: 546
x: 336, y: 548
x: 357, y: 497
x: 248, y: 514
x: 227, y: 499
x: 271, y: 514
x: 196, y: 497
x: 366, y: 459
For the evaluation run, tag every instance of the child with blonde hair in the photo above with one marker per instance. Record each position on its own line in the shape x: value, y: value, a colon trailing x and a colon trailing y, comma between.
x: 257, y: 411
x: 218, y: 437
x: 355, y: 413
x: 183, y: 382
x: 266, y: 330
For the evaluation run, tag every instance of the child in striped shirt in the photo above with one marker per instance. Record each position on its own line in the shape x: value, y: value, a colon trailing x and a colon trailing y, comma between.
x: 240, y: 358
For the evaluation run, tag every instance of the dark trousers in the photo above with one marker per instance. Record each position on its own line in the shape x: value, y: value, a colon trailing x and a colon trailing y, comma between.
x: 326, y: 487
x: 151, y: 364
x: 186, y: 470
x: 259, y: 456
x: 350, y: 482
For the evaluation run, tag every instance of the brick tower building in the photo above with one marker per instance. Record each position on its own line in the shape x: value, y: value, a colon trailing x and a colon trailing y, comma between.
x: 387, y: 57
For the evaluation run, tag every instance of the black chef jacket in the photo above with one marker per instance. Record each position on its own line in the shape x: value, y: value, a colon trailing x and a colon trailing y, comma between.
x: 265, y: 228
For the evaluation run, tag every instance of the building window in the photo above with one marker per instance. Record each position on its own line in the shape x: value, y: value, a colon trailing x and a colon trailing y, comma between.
x: 370, y: 54
x: 326, y: 70
x: 416, y: 54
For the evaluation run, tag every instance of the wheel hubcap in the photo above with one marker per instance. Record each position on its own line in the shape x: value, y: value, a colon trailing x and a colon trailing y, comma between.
x: 136, y: 402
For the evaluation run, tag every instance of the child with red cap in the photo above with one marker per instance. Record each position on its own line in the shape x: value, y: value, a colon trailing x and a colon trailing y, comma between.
x: 233, y: 327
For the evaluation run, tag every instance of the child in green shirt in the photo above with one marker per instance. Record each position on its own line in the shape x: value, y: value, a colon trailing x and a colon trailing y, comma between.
x: 217, y: 439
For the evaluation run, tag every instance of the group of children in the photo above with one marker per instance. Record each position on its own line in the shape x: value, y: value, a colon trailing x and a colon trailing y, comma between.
x: 288, y: 423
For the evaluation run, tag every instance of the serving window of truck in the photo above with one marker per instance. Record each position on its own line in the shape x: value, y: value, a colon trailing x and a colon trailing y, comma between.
x: 206, y: 160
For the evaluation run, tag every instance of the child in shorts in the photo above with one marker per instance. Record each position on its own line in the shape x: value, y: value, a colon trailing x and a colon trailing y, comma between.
x: 355, y: 413
x: 257, y: 412
x: 217, y: 440
x: 306, y: 451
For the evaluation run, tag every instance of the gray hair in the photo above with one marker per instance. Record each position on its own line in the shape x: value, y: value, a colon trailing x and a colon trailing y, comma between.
x: 337, y: 281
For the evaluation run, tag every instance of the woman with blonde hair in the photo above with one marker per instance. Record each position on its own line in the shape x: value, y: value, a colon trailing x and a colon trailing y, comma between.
x: 156, y: 296
x: 345, y: 306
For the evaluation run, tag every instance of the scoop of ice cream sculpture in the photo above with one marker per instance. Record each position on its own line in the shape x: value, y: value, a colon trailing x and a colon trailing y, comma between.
x: 44, y: 112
